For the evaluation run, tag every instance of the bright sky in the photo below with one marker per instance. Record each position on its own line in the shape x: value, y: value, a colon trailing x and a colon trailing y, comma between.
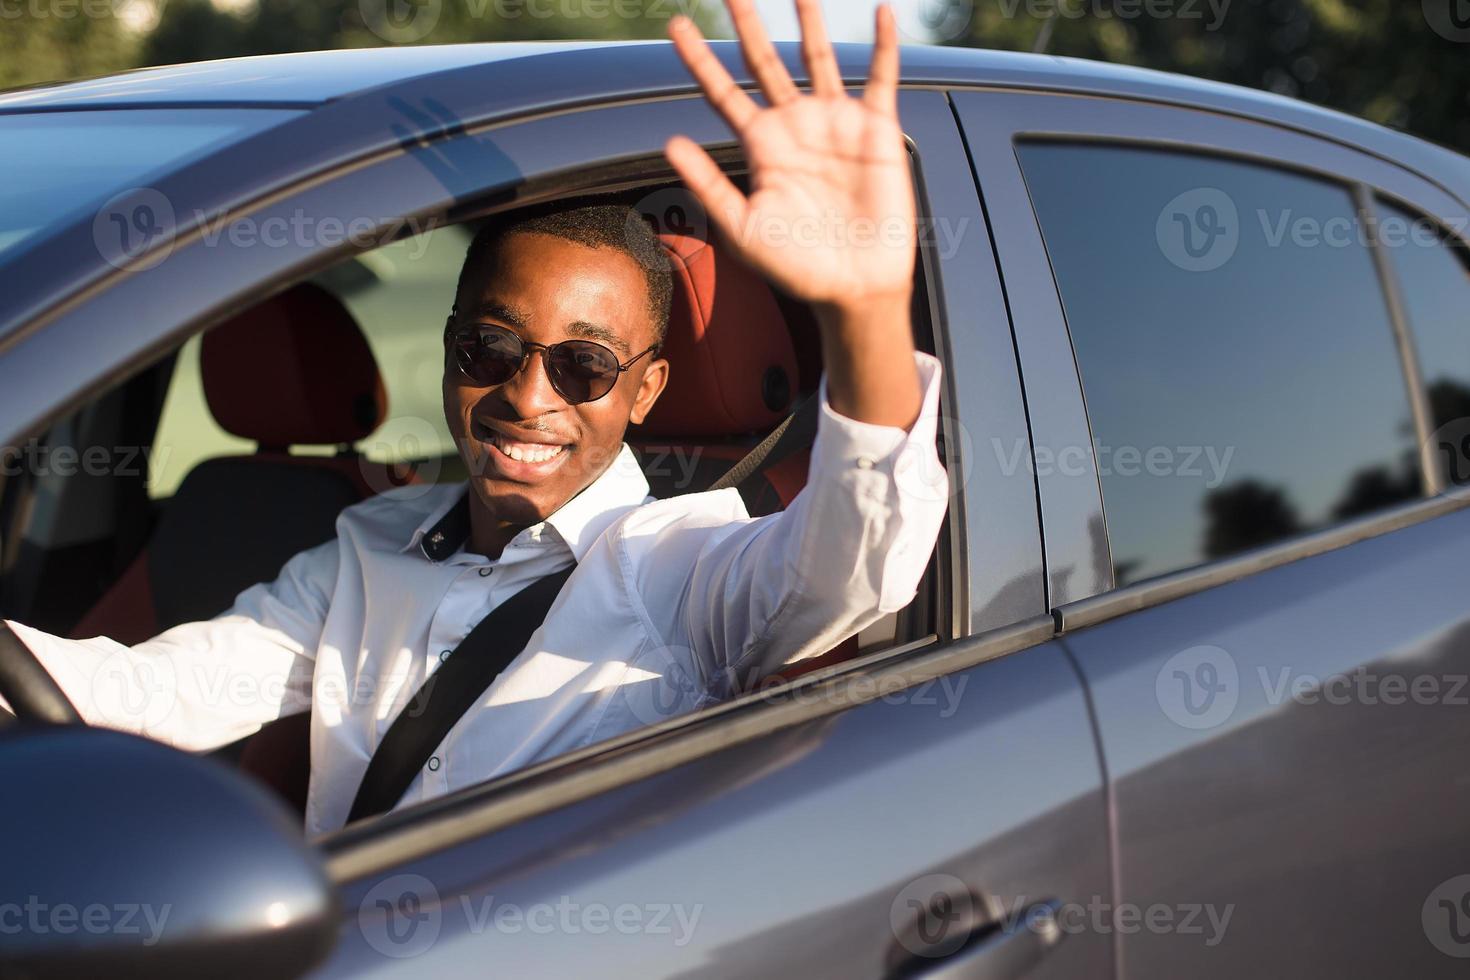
x: 847, y: 20
x: 852, y: 20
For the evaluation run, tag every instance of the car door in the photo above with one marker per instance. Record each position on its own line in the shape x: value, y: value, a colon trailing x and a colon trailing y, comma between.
x: 938, y: 805
x: 863, y: 825
x: 1276, y: 636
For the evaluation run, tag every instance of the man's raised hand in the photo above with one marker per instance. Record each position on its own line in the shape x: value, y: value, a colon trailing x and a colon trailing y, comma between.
x: 830, y: 216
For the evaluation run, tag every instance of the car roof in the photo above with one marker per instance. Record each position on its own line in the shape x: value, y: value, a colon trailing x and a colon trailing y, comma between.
x: 352, y: 105
x: 301, y: 79
x: 590, y: 71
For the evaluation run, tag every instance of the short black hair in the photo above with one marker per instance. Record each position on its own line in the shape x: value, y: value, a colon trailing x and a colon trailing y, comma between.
x: 594, y: 222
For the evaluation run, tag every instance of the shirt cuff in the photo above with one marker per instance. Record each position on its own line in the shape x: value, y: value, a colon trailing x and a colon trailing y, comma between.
x: 845, y: 444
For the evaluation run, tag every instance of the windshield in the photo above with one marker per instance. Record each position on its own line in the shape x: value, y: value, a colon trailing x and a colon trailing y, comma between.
x: 58, y: 166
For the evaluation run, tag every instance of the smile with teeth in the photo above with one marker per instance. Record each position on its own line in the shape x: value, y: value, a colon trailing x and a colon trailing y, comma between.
x: 526, y: 452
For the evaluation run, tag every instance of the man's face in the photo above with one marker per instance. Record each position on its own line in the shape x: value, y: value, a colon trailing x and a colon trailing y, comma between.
x: 546, y: 290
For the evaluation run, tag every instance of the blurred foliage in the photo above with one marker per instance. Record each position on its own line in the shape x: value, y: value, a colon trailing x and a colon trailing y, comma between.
x: 44, y: 40
x: 194, y: 30
x: 39, y: 49
x: 1379, y: 59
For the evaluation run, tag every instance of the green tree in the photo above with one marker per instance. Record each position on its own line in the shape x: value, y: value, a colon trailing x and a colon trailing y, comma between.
x: 193, y: 30
x: 57, y: 40
x: 1379, y: 59
x: 41, y: 45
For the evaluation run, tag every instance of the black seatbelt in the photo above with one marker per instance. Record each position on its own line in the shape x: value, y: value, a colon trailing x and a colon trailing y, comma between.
x: 470, y: 669
x: 451, y: 691
x: 795, y: 433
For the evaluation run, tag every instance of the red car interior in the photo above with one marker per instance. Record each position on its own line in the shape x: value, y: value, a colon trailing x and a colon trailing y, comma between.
x: 235, y: 520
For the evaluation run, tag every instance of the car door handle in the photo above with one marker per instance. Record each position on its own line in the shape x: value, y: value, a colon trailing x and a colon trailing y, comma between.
x: 1007, y: 950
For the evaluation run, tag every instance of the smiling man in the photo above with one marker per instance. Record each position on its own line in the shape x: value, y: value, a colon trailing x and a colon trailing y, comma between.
x: 534, y: 439
x: 551, y: 350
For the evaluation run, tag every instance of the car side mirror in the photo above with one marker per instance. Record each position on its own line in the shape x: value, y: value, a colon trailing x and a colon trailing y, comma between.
x: 121, y: 857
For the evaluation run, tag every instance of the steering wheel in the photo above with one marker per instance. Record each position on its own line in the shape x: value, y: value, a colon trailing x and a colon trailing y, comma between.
x: 32, y: 693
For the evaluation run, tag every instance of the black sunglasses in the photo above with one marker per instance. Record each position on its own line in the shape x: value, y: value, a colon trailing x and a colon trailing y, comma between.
x: 580, y: 370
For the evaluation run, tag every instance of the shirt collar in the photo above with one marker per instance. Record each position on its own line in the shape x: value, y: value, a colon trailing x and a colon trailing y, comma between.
x: 578, y: 523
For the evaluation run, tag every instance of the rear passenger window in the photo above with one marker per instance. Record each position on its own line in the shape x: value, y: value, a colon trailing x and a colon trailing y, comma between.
x: 1433, y: 277
x: 1235, y: 349
x: 399, y: 295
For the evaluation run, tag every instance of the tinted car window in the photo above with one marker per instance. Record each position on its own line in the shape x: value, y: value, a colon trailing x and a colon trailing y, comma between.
x: 1234, y: 346
x: 60, y: 166
x: 1435, y: 281
x: 399, y: 295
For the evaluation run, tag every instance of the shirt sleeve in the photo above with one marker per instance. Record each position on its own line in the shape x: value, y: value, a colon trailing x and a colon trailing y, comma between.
x: 849, y: 549
x: 202, y: 685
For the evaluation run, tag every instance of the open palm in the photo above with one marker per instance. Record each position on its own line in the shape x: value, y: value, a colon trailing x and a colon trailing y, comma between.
x: 830, y: 216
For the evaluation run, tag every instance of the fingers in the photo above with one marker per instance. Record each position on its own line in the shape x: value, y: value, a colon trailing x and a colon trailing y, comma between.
x: 720, y: 198
x: 729, y: 99
x: 816, y: 50
x: 881, y: 93
x: 760, y: 55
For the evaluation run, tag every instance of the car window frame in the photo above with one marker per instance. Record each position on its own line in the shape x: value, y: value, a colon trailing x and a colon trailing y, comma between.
x: 472, y: 171
x: 1073, y: 514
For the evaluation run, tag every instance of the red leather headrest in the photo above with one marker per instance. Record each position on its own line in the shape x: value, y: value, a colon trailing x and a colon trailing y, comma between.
x: 293, y: 370
x: 733, y: 364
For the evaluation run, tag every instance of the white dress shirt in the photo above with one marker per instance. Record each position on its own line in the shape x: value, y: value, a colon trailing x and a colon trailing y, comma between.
x: 674, y: 604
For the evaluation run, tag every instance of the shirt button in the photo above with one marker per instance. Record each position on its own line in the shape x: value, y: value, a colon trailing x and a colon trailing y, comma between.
x: 444, y: 655
x: 866, y: 462
x: 434, y: 764
x: 485, y: 572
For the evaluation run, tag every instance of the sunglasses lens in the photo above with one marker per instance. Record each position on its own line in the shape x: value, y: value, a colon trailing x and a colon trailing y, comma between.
x: 489, y: 355
x: 583, y: 371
